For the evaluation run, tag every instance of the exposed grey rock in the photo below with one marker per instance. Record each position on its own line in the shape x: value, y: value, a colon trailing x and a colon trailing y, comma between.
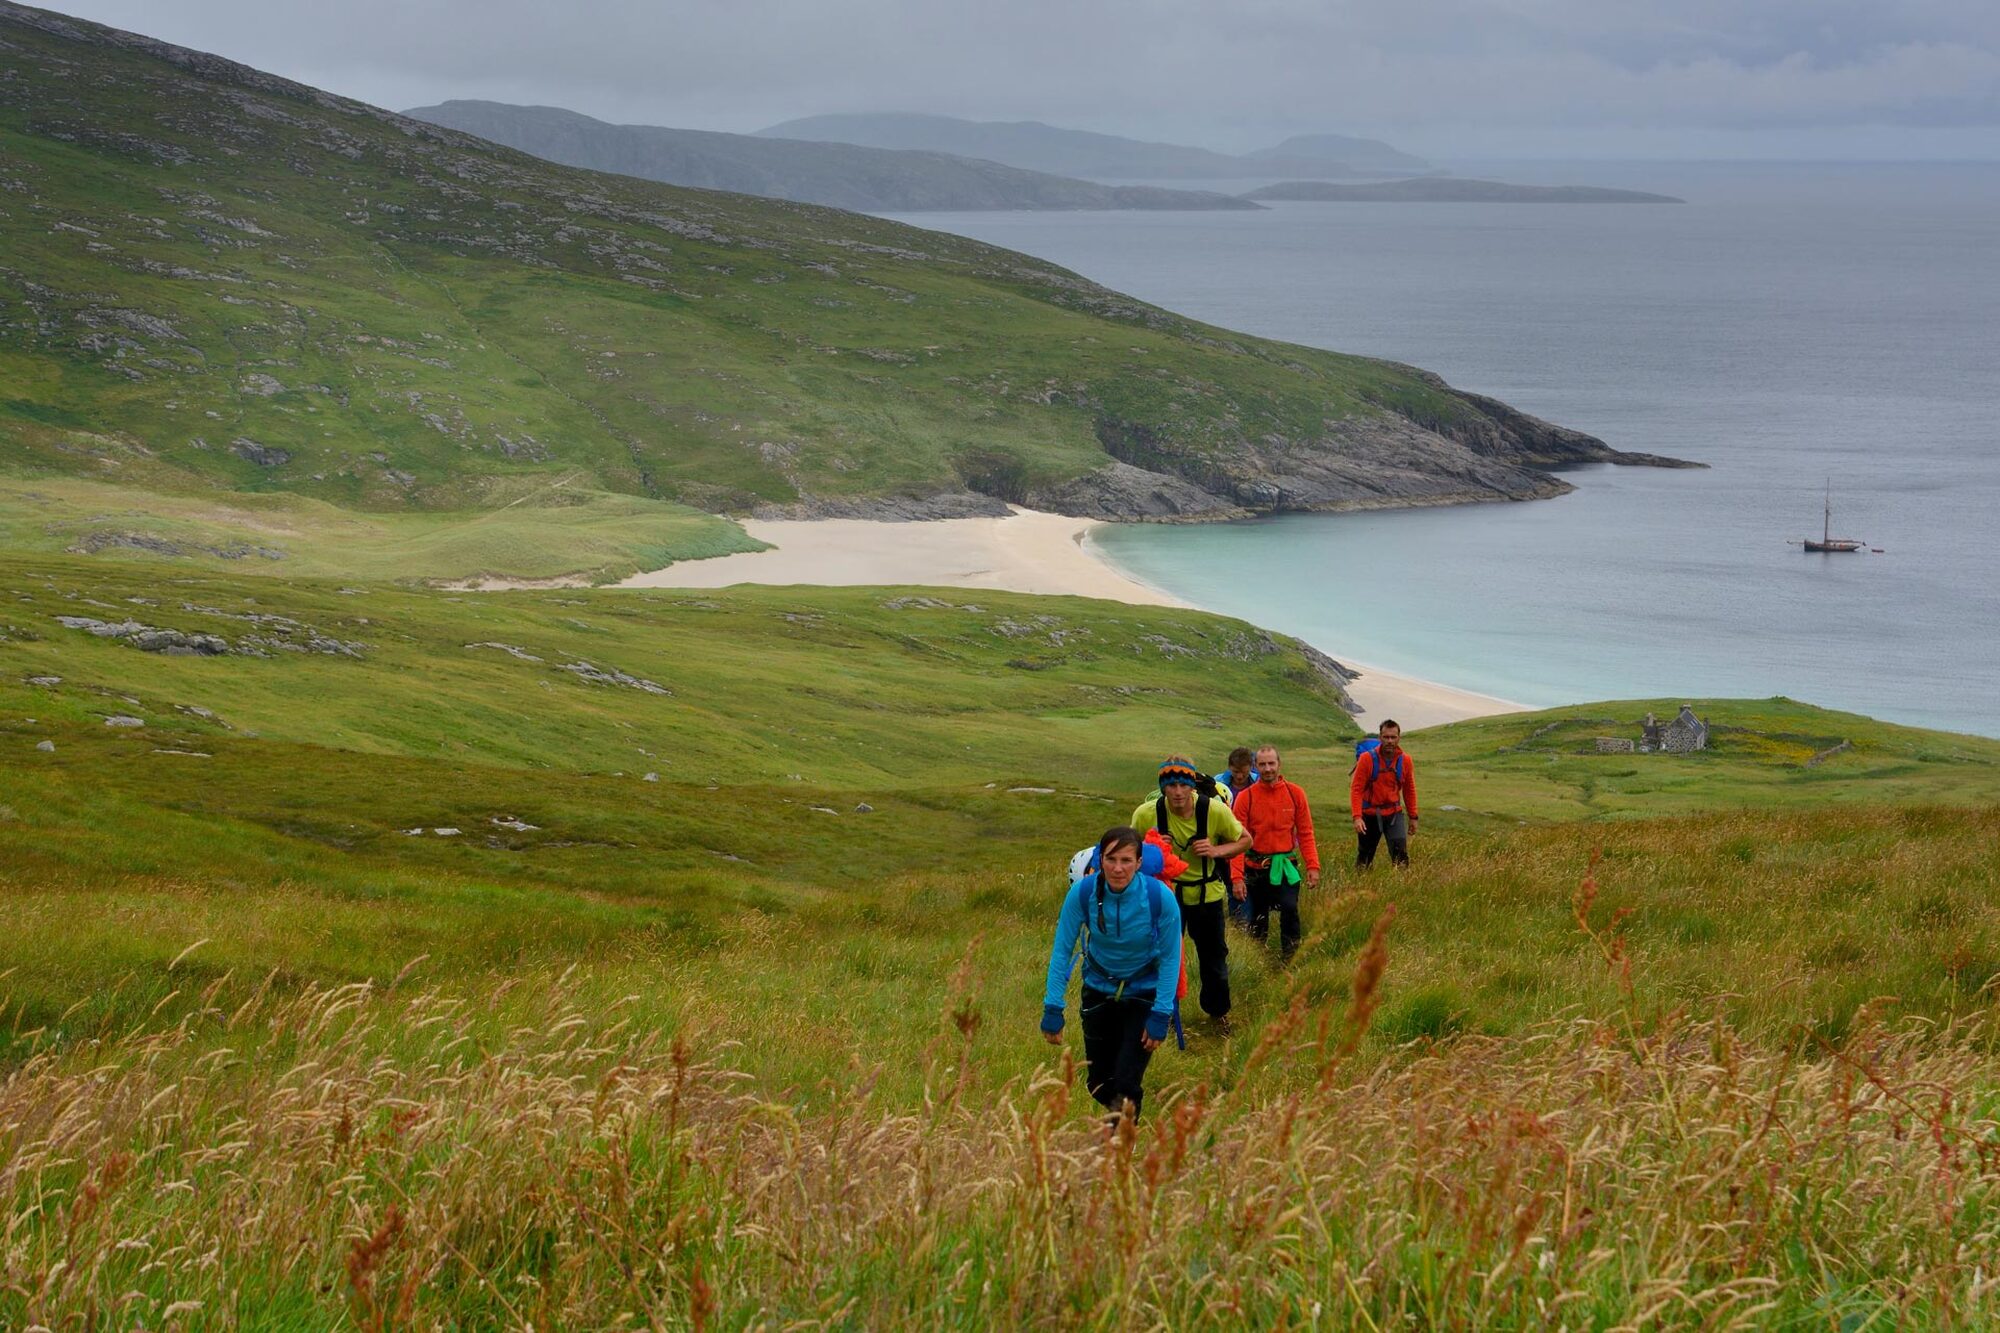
x: 263, y: 455
x: 121, y: 720
x: 612, y: 676
x: 509, y: 822
x: 46, y: 747
x: 446, y: 832
x: 521, y: 653
x: 890, y: 509
x: 47, y: 682
x: 291, y: 637
x: 1119, y: 490
x: 1336, y: 675
x: 147, y: 639
x: 651, y: 777
x: 864, y: 809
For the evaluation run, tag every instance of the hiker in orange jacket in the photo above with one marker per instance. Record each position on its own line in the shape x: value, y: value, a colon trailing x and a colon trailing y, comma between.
x: 1384, y: 798
x: 1282, y: 855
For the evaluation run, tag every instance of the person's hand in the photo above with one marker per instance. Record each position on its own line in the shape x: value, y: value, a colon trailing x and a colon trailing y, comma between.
x: 1413, y: 826
x: 1202, y: 847
x: 1052, y: 1038
x: 1312, y: 879
x: 1150, y: 1043
x: 1360, y: 824
x: 1239, y: 891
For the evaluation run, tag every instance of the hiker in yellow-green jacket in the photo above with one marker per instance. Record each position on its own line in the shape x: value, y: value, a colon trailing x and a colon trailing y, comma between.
x: 1197, y: 820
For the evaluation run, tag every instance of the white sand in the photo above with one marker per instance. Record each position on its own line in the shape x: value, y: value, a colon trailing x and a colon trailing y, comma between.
x: 1026, y: 552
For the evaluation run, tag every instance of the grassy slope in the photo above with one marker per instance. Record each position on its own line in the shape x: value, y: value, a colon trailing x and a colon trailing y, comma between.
x: 931, y: 710
x: 160, y: 891
x: 419, y: 320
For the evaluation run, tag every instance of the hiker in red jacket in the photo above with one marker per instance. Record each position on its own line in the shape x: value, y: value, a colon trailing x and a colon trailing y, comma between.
x: 1282, y: 854
x: 1384, y: 798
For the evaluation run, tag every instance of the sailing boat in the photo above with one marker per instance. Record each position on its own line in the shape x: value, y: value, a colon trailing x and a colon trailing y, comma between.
x: 1827, y: 541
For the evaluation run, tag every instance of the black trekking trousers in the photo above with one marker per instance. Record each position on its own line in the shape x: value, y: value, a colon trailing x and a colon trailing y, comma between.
x: 1396, y: 828
x: 1114, y: 1060
x: 1264, y: 896
x: 1206, y: 926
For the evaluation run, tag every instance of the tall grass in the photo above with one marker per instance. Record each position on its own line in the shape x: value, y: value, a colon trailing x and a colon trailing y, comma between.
x: 377, y: 1156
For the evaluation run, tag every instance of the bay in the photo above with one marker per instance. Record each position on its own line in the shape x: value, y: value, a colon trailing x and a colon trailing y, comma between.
x: 1791, y: 324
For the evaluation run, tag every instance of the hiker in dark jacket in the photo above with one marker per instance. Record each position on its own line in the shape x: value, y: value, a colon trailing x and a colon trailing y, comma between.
x: 1232, y: 782
x: 1129, y: 929
x: 1384, y: 798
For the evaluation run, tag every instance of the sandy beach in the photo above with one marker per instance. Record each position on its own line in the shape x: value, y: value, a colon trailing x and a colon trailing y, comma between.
x: 1026, y: 552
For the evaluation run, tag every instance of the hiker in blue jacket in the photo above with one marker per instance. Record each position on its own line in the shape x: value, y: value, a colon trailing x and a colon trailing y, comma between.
x: 1129, y: 927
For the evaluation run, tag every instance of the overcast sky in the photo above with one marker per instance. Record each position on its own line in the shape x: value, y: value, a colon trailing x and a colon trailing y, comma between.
x: 1446, y: 78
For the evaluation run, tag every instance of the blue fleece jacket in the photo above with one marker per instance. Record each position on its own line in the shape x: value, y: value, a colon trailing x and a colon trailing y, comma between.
x: 1123, y: 946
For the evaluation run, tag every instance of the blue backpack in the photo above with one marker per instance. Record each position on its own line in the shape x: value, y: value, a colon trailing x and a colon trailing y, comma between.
x: 1092, y: 885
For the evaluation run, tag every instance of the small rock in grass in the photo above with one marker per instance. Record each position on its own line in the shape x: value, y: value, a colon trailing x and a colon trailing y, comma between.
x: 48, y: 681
x: 446, y: 832
x: 120, y: 720
x: 652, y: 777
x: 46, y: 747
x: 864, y: 809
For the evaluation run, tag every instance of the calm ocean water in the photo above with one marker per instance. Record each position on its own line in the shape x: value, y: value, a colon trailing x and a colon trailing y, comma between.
x: 1791, y: 323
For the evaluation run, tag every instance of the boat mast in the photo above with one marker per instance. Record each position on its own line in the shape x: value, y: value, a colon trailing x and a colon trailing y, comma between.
x: 1826, y: 528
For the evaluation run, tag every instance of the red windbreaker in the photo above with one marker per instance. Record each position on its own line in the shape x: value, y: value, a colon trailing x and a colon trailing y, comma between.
x: 1278, y: 819
x: 1378, y: 789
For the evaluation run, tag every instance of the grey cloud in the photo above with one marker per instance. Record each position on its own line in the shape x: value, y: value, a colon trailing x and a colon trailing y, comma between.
x: 1203, y: 69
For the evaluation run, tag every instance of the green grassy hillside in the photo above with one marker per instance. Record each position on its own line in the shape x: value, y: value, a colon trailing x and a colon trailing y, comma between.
x: 400, y: 847
x: 627, y: 763
x: 213, y: 279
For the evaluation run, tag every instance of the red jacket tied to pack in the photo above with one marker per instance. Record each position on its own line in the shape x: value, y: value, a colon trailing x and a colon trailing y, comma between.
x: 1171, y: 869
x: 1384, y: 786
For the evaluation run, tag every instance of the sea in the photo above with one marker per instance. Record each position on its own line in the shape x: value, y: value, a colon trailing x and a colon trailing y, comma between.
x: 1798, y: 327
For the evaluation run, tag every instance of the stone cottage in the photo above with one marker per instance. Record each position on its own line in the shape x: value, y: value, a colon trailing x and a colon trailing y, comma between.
x: 1682, y: 735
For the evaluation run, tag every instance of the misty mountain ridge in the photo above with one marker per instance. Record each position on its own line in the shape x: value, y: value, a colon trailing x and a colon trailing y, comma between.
x: 1035, y: 146
x: 1359, y: 154
x: 1452, y: 190
x: 869, y: 180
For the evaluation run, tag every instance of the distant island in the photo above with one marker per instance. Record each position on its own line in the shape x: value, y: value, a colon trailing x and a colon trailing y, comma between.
x: 868, y: 180
x: 1452, y: 190
x: 1034, y: 146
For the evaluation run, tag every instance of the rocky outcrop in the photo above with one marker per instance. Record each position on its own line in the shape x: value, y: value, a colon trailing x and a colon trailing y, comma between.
x: 1335, y: 675
x: 283, y: 634
x: 889, y: 508
x: 1463, y: 448
x: 1122, y: 491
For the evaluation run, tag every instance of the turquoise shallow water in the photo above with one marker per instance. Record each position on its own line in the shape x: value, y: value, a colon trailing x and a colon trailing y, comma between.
x: 1789, y: 324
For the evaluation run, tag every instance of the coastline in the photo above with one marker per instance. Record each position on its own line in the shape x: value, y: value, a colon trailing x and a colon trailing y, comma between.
x: 1030, y: 552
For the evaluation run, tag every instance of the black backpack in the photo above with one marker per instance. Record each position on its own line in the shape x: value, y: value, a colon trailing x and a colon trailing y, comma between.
x: 1202, y: 800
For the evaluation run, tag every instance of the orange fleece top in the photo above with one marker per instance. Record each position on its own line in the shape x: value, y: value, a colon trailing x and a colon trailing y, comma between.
x: 1376, y: 790
x: 1278, y: 819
